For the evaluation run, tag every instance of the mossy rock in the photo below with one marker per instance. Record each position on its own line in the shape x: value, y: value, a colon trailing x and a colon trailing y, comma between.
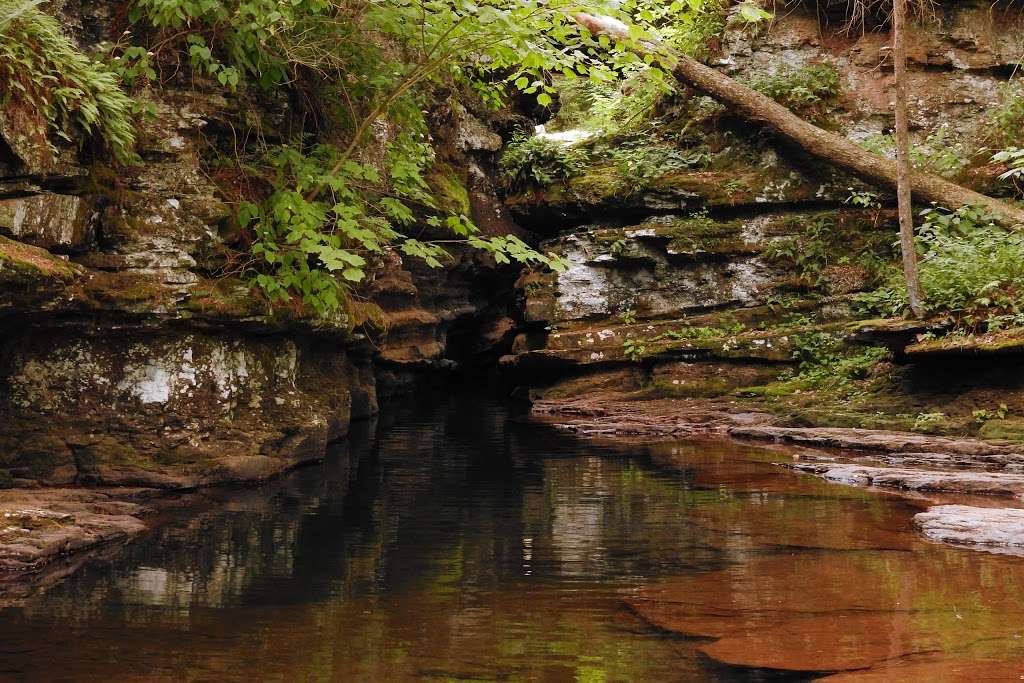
x: 182, y: 455
x: 598, y: 184
x: 614, y: 380
x: 608, y: 236
x: 689, y: 389
x: 714, y: 188
x: 21, y: 264
x: 36, y: 455
x: 695, y: 248
x: 995, y: 343
x: 1008, y: 429
x: 106, y: 451
x: 449, y: 189
x: 228, y: 297
x: 698, y: 227
x: 121, y: 290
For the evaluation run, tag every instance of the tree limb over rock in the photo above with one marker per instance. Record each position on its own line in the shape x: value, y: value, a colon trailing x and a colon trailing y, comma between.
x: 829, y: 147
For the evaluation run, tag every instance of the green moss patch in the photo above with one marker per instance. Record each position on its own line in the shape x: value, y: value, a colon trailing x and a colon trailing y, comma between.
x: 24, y: 264
x: 449, y: 189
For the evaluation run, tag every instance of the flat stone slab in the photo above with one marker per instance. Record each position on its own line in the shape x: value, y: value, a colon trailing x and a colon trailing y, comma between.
x: 995, y: 343
x: 978, y: 483
x: 999, y: 528
x: 937, y: 672
x: 1010, y: 462
x: 37, y: 526
x: 606, y: 414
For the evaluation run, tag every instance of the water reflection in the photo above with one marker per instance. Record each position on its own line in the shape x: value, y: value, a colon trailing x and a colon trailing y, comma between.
x: 450, y: 543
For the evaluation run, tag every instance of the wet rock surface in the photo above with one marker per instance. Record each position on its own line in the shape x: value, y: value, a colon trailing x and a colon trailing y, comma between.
x: 939, y: 671
x: 996, y: 529
x: 979, y: 483
x: 886, y: 460
x: 37, y: 526
x: 880, y: 440
x: 610, y: 414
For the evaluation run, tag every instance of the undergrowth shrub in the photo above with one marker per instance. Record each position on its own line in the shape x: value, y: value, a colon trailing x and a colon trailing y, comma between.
x: 809, y: 91
x: 822, y: 243
x: 633, y: 100
x: 970, y: 268
x: 824, y: 360
x: 613, y: 107
x: 938, y: 153
x: 1013, y: 157
x: 48, y: 86
x: 1008, y: 117
x: 641, y: 158
x: 350, y: 185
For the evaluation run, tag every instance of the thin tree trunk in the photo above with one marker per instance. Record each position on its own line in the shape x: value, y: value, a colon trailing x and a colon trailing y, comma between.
x: 903, y: 181
x: 829, y: 147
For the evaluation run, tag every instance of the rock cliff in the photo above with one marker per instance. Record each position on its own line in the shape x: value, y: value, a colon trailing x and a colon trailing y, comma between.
x: 131, y: 358
x: 132, y: 363
x: 716, y: 273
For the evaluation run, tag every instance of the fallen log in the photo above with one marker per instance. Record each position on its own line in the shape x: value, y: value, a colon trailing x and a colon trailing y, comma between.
x: 833, y: 149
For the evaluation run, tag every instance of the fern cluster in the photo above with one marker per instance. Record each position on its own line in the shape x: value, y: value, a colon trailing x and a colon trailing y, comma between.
x: 48, y: 86
x: 808, y: 91
x: 537, y: 162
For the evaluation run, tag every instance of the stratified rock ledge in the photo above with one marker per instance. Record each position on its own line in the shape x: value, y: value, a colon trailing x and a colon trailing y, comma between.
x: 38, y: 526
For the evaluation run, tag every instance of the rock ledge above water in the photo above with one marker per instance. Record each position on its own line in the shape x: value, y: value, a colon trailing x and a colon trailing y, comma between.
x: 1001, y: 528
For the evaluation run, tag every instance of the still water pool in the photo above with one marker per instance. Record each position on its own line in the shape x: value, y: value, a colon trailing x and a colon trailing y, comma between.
x: 451, y: 541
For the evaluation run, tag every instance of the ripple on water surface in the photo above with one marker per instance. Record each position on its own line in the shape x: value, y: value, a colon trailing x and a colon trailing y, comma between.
x: 451, y: 542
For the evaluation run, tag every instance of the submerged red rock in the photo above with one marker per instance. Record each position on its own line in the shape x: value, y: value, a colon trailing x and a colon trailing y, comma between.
x: 839, y: 611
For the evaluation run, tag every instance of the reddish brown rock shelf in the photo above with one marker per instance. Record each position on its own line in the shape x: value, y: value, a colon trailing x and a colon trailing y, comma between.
x: 39, y: 525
